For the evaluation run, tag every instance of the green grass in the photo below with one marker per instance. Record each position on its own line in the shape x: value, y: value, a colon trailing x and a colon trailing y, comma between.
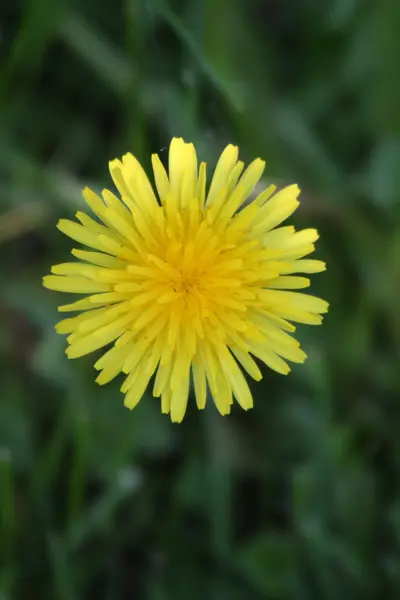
x: 300, y: 498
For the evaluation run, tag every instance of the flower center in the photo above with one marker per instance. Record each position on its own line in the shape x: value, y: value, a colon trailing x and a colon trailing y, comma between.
x: 186, y: 284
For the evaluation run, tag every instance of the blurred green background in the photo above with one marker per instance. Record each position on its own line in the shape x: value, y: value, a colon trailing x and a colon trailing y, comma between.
x: 300, y: 498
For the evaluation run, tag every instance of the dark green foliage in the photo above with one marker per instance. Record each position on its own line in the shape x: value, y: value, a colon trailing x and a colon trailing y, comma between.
x: 300, y: 498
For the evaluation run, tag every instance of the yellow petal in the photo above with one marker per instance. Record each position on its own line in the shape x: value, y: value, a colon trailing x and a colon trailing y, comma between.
x: 239, y: 384
x: 84, y: 304
x: 247, y: 362
x: 288, y: 283
x: 269, y: 357
x: 138, y: 184
x: 75, y: 285
x: 265, y: 195
x: 200, y: 385
x: 305, y: 266
x: 98, y: 258
x: 137, y: 389
x: 161, y: 177
x: 201, y: 185
x: 225, y: 165
x: 80, y: 234
x: 179, y: 400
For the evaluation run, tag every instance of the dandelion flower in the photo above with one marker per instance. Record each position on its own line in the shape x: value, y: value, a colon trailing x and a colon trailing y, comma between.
x: 189, y: 284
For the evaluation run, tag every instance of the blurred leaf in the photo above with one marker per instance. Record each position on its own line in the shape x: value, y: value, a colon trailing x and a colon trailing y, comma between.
x: 40, y: 19
x: 99, y: 54
x: 7, y: 522
x: 97, y: 515
x: 62, y: 572
x: 384, y: 179
x: 269, y: 561
x: 227, y: 89
x: 342, y: 12
x: 306, y: 148
x: 15, y: 426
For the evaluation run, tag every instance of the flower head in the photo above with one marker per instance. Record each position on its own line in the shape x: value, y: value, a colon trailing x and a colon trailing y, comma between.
x: 191, y: 285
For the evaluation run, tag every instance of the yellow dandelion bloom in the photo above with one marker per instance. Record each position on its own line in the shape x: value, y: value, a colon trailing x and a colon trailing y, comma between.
x: 190, y: 285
